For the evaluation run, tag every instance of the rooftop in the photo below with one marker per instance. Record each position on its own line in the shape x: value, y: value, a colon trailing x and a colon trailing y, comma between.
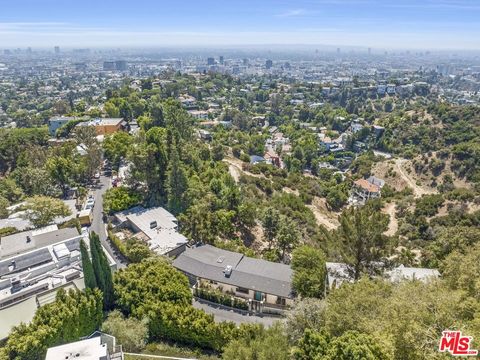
x: 33, y: 239
x: 365, y: 185
x: 88, y: 349
x: 209, y: 262
x: 158, y: 224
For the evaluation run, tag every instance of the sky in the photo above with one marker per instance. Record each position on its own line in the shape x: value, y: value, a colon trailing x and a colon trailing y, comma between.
x: 387, y: 24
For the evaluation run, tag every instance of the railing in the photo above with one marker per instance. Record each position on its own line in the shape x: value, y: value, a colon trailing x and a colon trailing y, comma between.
x: 117, y: 353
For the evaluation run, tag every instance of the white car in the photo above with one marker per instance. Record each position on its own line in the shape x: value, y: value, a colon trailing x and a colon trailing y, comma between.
x: 89, y: 204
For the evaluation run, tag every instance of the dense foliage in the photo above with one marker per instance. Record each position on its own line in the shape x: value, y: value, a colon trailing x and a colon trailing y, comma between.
x: 71, y: 316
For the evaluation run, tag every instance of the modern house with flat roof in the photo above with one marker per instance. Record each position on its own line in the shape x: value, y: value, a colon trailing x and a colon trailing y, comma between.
x: 157, y: 227
x: 104, y: 126
x: 263, y: 283
x: 338, y: 273
x: 57, y: 122
x: 33, y: 266
x: 98, y: 346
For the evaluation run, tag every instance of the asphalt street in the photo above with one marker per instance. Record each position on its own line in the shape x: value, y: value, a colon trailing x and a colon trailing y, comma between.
x: 98, y: 226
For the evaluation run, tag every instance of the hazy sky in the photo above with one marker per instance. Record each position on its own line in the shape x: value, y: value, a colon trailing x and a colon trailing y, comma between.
x: 441, y: 24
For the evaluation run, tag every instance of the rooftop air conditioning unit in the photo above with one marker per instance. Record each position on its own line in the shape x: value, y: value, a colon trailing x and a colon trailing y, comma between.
x: 227, y: 271
x: 153, y: 225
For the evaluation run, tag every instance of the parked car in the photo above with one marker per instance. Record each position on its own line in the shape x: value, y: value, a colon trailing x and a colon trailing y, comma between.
x: 90, y: 204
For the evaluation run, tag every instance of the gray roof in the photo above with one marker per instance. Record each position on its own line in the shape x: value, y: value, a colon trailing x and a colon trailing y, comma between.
x: 208, y: 262
x: 25, y: 261
x: 158, y: 224
x: 18, y: 243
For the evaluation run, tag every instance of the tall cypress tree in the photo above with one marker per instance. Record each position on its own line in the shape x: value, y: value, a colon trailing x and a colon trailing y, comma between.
x: 103, y: 273
x: 108, y: 297
x: 176, y: 182
x: 88, y: 273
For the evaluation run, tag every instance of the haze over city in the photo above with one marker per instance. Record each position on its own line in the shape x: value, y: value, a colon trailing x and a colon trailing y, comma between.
x: 426, y: 24
x: 239, y: 180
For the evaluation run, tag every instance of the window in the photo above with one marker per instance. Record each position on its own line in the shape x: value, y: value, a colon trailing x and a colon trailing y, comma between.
x: 242, y: 290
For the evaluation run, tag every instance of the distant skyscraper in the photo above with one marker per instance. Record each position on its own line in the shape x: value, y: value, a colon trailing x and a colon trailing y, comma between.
x: 56, y: 49
x: 221, y: 59
x: 29, y: 50
x: 121, y: 65
x: 245, y: 62
x: 108, y: 65
x: 268, y: 64
x: 338, y: 50
x: 210, y: 61
x: 369, y: 51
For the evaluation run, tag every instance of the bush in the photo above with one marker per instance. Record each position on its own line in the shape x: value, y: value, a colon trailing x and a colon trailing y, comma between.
x: 120, y: 198
x: 244, y: 157
x: 221, y: 298
x: 131, y: 333
x: 71, y: 316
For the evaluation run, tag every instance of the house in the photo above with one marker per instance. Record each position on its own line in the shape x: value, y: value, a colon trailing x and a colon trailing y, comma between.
x: 255, y: 159
x: 188, y: 102
x: 381, y: 89
x: 378, y: 130
x: 264, y: 284
x: 56, y: 123
x: 104, y: 126
x: 356, y: 127
x: 33, y: 266
x: 199, y: 114
x: 98, y: 346
x: 365, y: 189
x: 330, y: 145
x: 338, y: 273
x: 409, y: 273
x: 204, y: 135
x: 155, y: 226
x: 17, y: 218
x: 272, y: 158
x: 391, y: 89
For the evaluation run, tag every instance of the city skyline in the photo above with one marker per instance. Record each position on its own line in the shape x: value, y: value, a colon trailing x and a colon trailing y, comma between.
x: 444, y: 24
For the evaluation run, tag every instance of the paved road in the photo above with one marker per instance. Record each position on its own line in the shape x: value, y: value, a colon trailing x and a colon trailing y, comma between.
x: 222, y: 314
x: 98, y: 225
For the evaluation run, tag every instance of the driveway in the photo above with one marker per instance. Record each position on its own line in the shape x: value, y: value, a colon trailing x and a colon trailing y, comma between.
x: 221, y: 313
x: 98, y: 226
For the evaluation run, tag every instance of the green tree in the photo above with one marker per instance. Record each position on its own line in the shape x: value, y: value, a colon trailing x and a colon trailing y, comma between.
x: 130, y: 332
x: 312, y: 346
x: 71, y: 316
x: 87, y: 267
x: 264, y: 344
x: 10, y: 190
x: 360, y: 239
x: 356, y: 346
x: 61, y: 169
x: 4, y: 203
x: 138, y: 251
x: 148, y: 282
x: 270, y: 223
x: 42, y: 210
x: 120, y: 198
x: 103, y: 273
x: 177, y: 184
x: 116, y: 147
x: 287, y: 236
x: 309, y: 271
